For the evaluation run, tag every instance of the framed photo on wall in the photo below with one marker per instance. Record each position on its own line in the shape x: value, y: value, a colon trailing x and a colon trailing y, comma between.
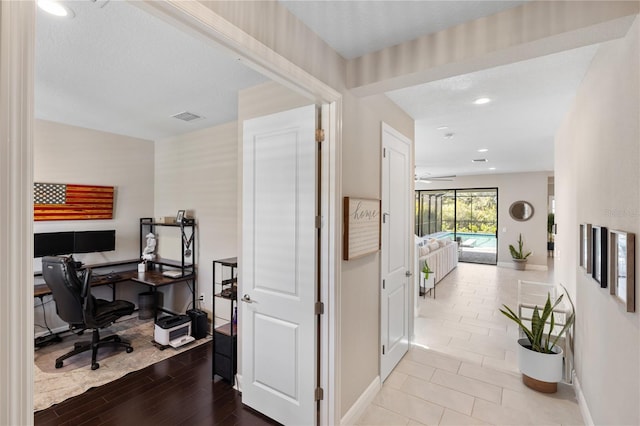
x: 599, y: 255
x: 622, y: 267
x: 585, y: 246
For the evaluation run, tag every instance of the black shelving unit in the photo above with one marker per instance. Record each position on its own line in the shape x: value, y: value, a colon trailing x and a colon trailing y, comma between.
x: 188, y: 249
x: 225, y: 336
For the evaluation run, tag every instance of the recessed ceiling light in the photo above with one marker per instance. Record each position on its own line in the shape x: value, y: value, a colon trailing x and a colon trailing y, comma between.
x: 442, y: 128
x: 482, y: 101
x: 55, y: 8
x: 492, y: 168
x: 483, y: 150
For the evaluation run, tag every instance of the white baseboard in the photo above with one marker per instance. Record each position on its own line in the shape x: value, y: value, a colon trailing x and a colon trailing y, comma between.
x: 582, y: 402
x: 238, y: 385
x: 528, y: 267
x: 357, y: 409
x: 56, y: 330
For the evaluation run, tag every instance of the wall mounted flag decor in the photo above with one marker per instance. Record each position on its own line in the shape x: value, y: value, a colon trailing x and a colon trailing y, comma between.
x: 57, y: 201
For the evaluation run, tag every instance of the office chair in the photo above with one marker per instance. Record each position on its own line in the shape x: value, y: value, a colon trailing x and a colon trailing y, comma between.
x: 76, y: 306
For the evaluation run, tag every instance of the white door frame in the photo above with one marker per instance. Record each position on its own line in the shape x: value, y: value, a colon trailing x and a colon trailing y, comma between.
x: 18, y: 35
x: 17, y: 64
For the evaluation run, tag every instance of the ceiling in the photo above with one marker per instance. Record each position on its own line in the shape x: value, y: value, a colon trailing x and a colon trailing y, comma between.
x: 116, y: 68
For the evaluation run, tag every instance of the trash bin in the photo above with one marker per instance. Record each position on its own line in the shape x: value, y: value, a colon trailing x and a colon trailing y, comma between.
x: 146, y: 305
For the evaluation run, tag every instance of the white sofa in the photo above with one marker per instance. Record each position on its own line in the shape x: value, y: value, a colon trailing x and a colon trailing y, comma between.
x: 441, y: 256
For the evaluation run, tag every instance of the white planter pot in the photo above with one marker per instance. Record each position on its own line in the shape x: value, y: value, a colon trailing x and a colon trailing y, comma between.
x: 519, y: 264
x: 431, y: 282
x: 539, y: 366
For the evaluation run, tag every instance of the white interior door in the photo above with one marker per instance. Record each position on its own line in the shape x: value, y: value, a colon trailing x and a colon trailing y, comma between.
x: 278, y: 266
x: 396, y: 240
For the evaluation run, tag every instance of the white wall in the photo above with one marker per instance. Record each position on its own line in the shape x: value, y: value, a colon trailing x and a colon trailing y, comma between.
x: 197, y: 172
x: 360, y: 346
x: 75, y: 155
x: 531, y: 187
x: 598, y: 182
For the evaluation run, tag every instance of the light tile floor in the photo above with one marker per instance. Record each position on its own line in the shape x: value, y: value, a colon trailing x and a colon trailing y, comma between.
x: 462, y: 369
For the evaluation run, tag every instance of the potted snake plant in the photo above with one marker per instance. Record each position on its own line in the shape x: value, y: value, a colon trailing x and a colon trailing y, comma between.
x: 540, y: 359
x: 518, y: 255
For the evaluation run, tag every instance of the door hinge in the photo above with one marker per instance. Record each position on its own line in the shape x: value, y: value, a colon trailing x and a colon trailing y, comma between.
x: 319, y: 135
x: 384, y: 152
x: 319, y: 394
x: 319, y: 308
x: 383, y: 284
x: 382, y: 349
x: 318, y: 222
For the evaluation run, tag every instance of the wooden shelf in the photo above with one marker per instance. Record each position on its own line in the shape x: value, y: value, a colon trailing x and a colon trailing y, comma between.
x: 226, y: 329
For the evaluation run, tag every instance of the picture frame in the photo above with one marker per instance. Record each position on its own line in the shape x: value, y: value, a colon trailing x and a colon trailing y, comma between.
x: 622, y: 268
x: 180, y: 216
x: 362, y: 227
x: 599, y: 259
x: 585, y: 246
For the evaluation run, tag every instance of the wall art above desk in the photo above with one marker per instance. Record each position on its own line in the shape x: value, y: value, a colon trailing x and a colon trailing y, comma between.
x: 58, y: 201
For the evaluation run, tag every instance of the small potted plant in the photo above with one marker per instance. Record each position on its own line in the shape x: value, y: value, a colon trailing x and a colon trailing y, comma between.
x: 519, y: 257
x: 539, y: 358
x: 429, y: 279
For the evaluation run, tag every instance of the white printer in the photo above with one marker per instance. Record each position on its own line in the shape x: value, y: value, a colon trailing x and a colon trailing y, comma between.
x: 173, y: 331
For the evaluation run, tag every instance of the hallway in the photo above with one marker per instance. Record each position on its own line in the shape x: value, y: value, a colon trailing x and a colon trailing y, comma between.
x: 462, y: 369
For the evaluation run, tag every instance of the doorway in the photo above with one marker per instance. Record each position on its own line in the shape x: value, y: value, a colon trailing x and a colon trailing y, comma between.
x: 468, y: 216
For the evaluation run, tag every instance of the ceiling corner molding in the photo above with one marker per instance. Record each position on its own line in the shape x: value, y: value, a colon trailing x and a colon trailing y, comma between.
x: 531, y: 30
x: 199, y: 20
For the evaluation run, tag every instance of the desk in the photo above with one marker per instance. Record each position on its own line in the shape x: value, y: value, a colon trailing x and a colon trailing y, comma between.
x: 152, y: 279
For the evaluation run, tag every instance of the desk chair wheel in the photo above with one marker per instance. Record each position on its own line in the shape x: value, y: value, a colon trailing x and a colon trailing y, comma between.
x: 58, y: 364
x: 95, y: 366
x: 117, y: 339
x: 129, y: 349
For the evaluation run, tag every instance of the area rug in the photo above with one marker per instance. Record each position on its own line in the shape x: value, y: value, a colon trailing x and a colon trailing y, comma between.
x: 52, y: 386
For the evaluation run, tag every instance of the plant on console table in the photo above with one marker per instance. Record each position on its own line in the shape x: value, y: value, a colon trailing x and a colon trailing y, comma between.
x: 539, y: 356
x: 519, y: 257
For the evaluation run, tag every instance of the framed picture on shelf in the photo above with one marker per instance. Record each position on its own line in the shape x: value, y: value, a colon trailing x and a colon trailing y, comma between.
x: 599, y: 259
x: 180, y: 216
x: 585, y: 246
x: 622, y: 268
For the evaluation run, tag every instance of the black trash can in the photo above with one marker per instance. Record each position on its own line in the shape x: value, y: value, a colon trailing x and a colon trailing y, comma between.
x: 146, y: 305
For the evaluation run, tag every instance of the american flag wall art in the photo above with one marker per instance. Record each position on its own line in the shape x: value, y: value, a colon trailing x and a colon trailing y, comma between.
x: 57, y: 201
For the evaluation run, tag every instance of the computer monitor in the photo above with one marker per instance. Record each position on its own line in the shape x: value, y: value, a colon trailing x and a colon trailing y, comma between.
x: 53, y: 243
x: 94, y: 241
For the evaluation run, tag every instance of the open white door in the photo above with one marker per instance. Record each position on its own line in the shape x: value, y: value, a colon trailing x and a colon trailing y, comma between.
x: 278, y: 266
x: 396, y: 240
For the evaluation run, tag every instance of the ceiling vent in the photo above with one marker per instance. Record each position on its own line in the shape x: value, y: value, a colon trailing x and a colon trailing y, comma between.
x: 187, y: 116
x: 479, y: 160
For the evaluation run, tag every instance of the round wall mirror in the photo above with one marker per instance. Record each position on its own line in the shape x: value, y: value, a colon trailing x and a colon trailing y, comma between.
x: 521, y: 210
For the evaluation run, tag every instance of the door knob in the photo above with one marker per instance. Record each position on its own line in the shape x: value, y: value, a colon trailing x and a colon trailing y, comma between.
x: 408, y: 273
x: 247, y: 299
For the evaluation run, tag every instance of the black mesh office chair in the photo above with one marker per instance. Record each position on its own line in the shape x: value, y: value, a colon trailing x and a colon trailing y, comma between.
x: 82, y: 311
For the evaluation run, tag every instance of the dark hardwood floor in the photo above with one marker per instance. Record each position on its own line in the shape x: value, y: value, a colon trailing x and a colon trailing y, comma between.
x: 176, y: 391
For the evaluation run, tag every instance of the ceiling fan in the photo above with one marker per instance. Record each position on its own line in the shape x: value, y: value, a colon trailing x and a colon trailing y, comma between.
x: 427, y: 178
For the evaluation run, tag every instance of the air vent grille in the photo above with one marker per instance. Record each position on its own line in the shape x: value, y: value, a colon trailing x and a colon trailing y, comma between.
x: 479, y: 160
x: 187, y: 116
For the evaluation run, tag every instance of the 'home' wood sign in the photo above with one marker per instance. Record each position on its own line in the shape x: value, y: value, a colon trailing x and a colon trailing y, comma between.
x: 361, y: 227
